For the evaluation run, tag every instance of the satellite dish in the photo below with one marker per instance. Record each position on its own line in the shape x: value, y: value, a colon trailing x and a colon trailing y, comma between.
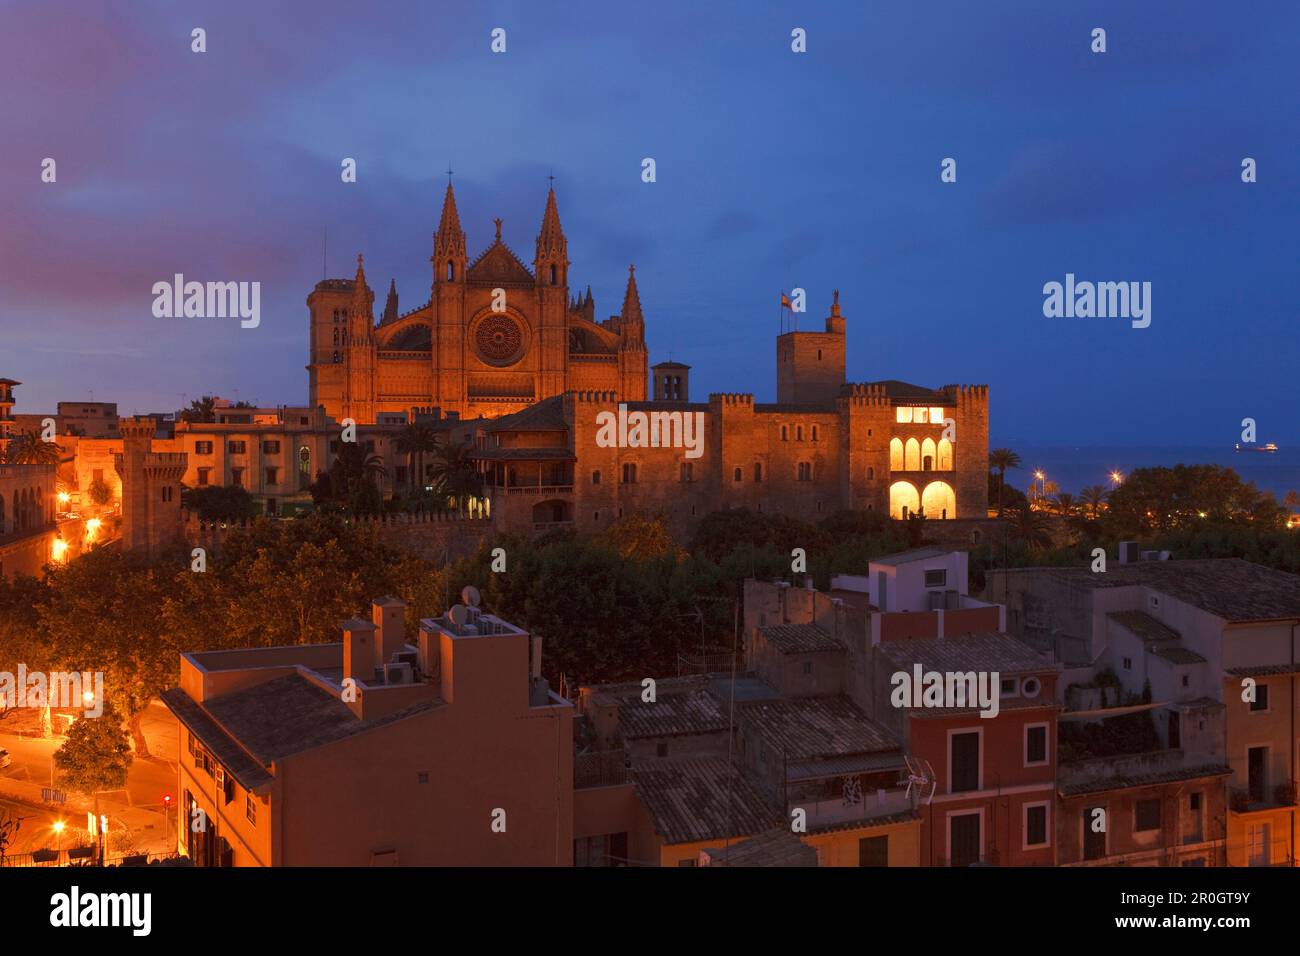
x: 920, y: 774
x: 469, y: 594
x: 458, y: 615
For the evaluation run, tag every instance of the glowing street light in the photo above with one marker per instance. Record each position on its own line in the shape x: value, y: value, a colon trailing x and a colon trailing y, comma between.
x: 58, y: 833
x: 63, y: 497
x: 59, y: 549
x: 1116, y: 478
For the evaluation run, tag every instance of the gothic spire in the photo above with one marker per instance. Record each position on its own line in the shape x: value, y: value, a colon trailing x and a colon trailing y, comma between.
x: 631, y: 299
x: 390, y: 307
x: 449, y: 224
x: 361, y: 299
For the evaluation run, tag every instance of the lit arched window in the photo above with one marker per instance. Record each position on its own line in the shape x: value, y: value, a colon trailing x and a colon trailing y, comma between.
x: 451, y: 271
x: 736, y: 475
x: 927, y: 455
x: 903, y: 499
x: 945, y: 455
x: 912, y: 455
x: 938, y: 500
x: 896, y: 454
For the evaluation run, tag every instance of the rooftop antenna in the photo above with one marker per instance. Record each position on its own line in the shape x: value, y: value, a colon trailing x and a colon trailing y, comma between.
x: 920, y: 774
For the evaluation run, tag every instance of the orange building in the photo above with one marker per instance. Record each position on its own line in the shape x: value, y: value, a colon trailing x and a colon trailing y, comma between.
x: 376, y: 752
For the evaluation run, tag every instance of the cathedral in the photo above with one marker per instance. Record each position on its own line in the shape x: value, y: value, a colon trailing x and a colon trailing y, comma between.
x: 495, y: 337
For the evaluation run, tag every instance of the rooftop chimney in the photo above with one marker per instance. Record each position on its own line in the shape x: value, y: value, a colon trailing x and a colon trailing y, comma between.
x: 359, y: 650
x: 389, y: 616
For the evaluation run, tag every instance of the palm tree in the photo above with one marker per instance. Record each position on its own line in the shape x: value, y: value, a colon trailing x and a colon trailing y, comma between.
x: 1093, y: 497
x: 417, y: 439
x: 1065, y: 504
x: 1002, y: 459
x: 453, y: 473
x: 29, y: 448
x: 1031, y: 527
x: 354, y: 473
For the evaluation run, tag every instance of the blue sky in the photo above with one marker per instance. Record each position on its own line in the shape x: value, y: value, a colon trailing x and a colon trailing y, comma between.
x: 775, y: 170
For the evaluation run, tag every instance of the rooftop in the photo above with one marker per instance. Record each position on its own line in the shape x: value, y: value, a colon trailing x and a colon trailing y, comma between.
x: 690, y: 712
x: 907, y: 557
x: 813, y: 727
x: 1229, y: 588
x: 250, y: 729
x: 800, y: 638
x: 544, y: 416
x: 1145, y: 626
x: 985, y: 651
x: 775, y: 847
x: 694, y: 800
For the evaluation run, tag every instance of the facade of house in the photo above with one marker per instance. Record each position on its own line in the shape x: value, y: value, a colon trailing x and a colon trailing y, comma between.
x: 374, y: 752
x: 1208, y: 649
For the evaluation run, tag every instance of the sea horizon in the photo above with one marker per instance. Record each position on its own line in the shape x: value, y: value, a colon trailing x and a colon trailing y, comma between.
x: 1074, y: 467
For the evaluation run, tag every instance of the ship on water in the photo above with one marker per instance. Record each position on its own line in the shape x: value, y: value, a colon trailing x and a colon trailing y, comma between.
x: 1270, y: 447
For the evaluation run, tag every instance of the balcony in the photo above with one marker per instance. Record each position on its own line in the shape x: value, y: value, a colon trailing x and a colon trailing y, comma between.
x: 835, y: 811
x: 602, y: 768
x: 538, y: 490
x: 1253, y: 800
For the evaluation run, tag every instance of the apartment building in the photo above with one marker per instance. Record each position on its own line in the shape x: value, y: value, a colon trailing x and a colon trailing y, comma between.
x: 371, y: 751
x: 1207, y: 651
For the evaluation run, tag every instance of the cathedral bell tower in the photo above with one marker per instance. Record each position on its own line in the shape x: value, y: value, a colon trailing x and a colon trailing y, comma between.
x: 447, y: 323
x: 551, y: 272
x: 360, y: 353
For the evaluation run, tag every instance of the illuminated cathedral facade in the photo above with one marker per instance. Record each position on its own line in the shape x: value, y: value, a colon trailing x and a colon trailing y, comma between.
x: 495, y: 336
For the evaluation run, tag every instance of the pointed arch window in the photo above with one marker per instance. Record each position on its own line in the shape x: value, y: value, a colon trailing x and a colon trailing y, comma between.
x: 553, y: 273
x: 451, y: 271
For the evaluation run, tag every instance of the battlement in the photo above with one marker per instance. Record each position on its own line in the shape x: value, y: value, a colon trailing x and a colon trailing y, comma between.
x: 137, y: 428
x: 596, y: 397
x: 969, y: 396
x: 861, y: 394
x: 732, y: 398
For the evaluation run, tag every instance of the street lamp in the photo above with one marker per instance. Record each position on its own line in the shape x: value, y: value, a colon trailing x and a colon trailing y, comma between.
x: 1116, y: 478
x: 58, y: 832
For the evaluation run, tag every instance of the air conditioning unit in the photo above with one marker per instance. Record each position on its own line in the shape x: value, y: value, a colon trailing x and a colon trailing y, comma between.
x: 400, y: 673
x: 938, y: 600
x: 1150, y: 555
x: 1129, y: 552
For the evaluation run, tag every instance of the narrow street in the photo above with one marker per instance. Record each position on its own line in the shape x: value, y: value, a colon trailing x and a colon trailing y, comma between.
x: 137, y: 809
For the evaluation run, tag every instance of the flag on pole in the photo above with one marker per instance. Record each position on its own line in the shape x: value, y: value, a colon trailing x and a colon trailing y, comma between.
x: 785, y: 302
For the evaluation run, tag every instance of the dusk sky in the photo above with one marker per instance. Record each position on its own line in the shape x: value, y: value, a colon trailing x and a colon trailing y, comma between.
x: 775, y: 170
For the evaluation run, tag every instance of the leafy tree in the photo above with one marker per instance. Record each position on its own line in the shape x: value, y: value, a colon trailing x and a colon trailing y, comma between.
x: 97, y: 755
x: 220, y: 503
x: 102, y: 614
x: 100, y: 493
x: 641, y: 535
x: 9, y: 826
x: 1154, y: 500
x: 202, y: 410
